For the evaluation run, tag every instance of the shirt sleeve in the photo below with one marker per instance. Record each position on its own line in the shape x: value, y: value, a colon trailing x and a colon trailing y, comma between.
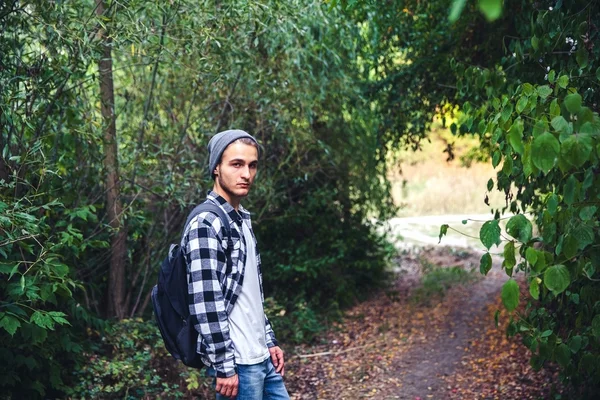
x: 270, y: 335
x: 206, y: 300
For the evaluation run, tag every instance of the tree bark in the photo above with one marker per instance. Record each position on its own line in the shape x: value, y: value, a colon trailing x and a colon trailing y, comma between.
x: 118, y: 256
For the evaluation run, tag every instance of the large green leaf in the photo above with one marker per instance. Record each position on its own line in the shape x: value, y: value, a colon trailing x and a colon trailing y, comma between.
x: 509, y: 255
x: 492, y: 9
x: 569, y: 190
x: 520, y: 228
x: 522, y: 104
x: 584, y: 235
x: 561, y: 125
x: 515, y: 136
x: 576, y: 149
x: 485, y: 264
x: 557, y: 278
x: 534, y: 288
x: 544, y: 151
x: 563, y: 81
x: 10, y: 324
x: 456, y: 9
x: 510, y: 294
x: 544, y: 91
x: 490, y: 234
x: 563, y: 354
x: 573, y: 103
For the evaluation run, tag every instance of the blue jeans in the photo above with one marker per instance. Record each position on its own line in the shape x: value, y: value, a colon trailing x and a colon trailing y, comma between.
x: 257, y: 382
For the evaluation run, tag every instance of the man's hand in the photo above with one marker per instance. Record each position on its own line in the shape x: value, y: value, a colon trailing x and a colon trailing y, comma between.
x: 227, y: 387
x: 277, y: 358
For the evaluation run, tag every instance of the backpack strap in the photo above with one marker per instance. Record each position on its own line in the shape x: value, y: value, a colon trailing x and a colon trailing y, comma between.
x: 215, y: 209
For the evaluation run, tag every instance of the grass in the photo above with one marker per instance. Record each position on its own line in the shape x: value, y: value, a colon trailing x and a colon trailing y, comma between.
x: 425, y: 183
x: 437, y: 280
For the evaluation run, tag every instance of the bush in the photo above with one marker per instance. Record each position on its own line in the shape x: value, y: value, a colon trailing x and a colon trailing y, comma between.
x: 131, y: 362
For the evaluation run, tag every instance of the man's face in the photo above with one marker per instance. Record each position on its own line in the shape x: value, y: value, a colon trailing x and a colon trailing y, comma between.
x: 235, y: 174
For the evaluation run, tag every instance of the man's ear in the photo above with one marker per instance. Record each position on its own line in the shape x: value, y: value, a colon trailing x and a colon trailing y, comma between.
x: 216, y: 171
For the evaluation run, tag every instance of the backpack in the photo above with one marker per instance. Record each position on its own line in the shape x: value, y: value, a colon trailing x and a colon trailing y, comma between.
x: 170, y: 296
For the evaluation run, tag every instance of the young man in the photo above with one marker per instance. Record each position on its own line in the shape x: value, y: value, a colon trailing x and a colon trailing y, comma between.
x: 235, y: 338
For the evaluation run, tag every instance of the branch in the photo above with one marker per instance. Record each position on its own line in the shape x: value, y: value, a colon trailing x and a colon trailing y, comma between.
x: 227, y: 100
x: 333, y: 353
x: 149, y: 99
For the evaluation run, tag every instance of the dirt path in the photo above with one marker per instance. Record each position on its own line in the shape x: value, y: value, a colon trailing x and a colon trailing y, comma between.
x: 395, y: 347
x: 425, y: 365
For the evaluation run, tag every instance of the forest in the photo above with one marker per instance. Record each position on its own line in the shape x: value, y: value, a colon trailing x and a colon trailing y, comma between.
x: 107, y: 107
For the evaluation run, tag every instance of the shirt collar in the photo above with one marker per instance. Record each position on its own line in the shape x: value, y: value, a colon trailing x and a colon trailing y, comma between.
x: 228, y: 208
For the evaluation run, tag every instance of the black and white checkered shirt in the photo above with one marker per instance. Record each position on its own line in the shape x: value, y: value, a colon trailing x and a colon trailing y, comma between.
x: 213, y: 290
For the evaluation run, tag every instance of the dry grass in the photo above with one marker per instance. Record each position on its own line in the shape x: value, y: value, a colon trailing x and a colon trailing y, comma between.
x: 425, y: 183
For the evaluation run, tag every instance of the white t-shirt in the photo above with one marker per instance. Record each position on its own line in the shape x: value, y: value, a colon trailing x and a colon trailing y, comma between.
x: 247, y: 318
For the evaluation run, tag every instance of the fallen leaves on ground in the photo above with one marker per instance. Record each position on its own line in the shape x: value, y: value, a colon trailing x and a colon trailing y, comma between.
x: 370, y: 352
x: 497, y: 367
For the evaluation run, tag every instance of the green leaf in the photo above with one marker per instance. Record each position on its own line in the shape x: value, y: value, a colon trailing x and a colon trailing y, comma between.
x: 552, y: 204
x: 534, y: 288
x: 584, y: 235
x: 507, y: 168
x: 10, y: 324
x: 587, y: 213
x: 576, y: 149
x: 557, y: 278
x: 546, y: 333
x: 569, y: 190
x: 510, y: 294
x: 443, y: 231
x: 535, y: 42
x: 42, y: 320
x: 569, y: 246
x: 490, y: 234
x: 575, y: 344
x: 456, y: 10
x: 490, y: 185
x: 544, y: 151
x: 485, y: 264
x: 573, y: 103
x: 506, y: 112
x: 59, y: 317
x: 560, y: 124
x: 563, y: 354
x: 496, y: 158
x: 520, y: 228
x: 509, y: 255
x: 528, y: 167
x: 531, y: 255
x: 582, y: 57
x: 492, y: 9
x: 541, y: 126
x: 544, y: 91
x: 554, y: 109
x: 596, y: 326
x: 522, y: 104
x: 515, y: 136
x: 563, y: 81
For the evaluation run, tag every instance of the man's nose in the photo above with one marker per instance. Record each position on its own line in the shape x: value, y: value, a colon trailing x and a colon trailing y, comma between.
x: 246, y: 172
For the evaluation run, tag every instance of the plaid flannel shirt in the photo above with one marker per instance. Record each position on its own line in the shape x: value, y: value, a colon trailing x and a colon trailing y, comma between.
x: 212, y: 289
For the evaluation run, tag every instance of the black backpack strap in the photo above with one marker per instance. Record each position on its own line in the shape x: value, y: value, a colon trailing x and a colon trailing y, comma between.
x: 215, y: 209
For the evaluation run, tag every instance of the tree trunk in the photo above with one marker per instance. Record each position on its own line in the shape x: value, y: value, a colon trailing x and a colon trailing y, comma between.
x: 118, y: 255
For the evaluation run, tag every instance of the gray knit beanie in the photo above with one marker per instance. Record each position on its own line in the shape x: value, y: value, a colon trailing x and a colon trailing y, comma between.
x: 218, y: 144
